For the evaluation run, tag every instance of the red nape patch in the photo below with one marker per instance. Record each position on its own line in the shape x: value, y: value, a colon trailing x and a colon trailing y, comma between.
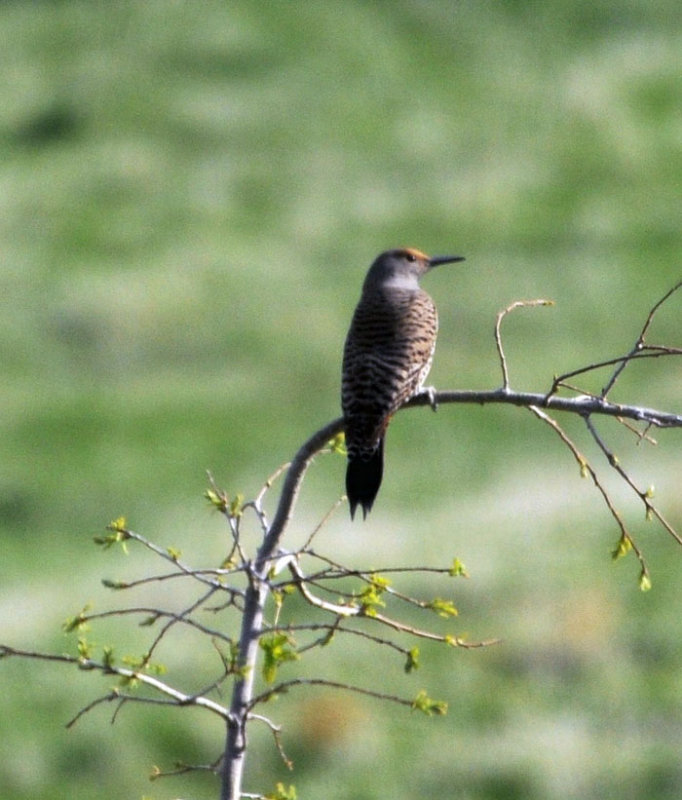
x: 416, y: 253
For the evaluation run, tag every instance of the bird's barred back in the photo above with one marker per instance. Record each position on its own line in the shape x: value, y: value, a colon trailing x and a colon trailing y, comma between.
x: 387, y: 357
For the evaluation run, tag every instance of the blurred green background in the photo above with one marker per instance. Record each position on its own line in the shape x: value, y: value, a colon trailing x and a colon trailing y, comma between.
x: 191, y: 194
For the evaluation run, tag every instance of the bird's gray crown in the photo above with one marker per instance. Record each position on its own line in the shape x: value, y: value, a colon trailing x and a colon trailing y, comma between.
x: 402, y: 268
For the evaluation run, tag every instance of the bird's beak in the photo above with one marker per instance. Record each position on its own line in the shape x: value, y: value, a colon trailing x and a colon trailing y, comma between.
x: 437, y: 260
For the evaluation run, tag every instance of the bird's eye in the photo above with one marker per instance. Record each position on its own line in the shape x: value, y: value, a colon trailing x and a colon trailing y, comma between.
x: 410, y: 256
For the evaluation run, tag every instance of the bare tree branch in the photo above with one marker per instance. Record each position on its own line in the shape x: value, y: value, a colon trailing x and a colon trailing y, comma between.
x: 175, y: 696
x: 583, y: 405
x: 249, y: 582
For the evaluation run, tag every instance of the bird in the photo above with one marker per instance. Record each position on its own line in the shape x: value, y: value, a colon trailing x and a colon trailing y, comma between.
x: 387, y: 355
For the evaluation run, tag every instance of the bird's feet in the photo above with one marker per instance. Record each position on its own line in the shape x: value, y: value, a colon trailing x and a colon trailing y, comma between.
x: 430, y: 392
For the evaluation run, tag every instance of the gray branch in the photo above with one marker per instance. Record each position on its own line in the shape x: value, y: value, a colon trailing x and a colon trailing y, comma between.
x: 583, y: 405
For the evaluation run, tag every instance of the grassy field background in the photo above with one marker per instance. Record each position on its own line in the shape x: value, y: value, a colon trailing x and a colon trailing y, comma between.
x: 191, y: 194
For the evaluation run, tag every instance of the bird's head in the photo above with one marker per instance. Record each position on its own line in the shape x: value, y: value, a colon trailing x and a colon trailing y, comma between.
x: 402, y: 268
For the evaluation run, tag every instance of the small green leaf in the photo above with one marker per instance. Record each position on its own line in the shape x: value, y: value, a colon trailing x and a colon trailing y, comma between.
x: 236, y: 504
x: 108, y: 656
x: 458, y: 570
x: 77, y: 623
x: 338, y: 444
x: 118, y: 534
x: 644, y: 581
x: 281, y: 793
x: 370, y: 596
x: 114, y: 584
x: 217, y: 499
x: 379, y: 581
x: 135, y: 662
x: 444, y: 608
x: 84, y: 649
x: 232, y: 660
x: 277, y: 649
x: 422, y: 702
x: 622, y: 548
x: 412, y: 662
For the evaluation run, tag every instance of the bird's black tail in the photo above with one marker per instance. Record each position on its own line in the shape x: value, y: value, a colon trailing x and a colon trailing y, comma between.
x: 363, y: 479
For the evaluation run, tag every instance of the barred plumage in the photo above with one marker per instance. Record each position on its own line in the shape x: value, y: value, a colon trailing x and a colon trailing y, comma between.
x: 387, y: 356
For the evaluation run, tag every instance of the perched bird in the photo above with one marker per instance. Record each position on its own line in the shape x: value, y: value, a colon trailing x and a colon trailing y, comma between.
x: 386, y: 358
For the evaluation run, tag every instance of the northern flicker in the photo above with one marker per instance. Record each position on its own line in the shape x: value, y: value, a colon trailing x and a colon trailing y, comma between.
x: 387, y: 356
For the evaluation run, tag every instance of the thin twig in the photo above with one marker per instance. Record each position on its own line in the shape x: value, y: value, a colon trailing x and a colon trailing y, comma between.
x: 587, y: 469
x: 639, y: 343
x: 182, y: 616
x: 277, y: 735
x: 642, y: 436
x: 321, y: 524
x: 270, y: 481
x: 646, y: 352
x: 159, y: 613
x: 498, y: 336
x: 167, y: 576
x: 176, y: 697
x: 644, y: 495
x: 285, y: 685
x: 181, y: 769
x: 331, y: 629
x: 113, y: 696
x: 198, y: 575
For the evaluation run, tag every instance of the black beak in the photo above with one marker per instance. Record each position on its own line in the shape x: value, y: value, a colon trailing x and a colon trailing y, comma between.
x: 437, y: 260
